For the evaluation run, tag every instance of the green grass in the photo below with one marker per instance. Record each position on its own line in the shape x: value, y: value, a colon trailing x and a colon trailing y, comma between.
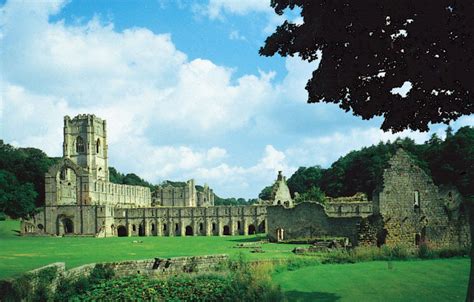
x: 427, y: 280
x: 19, y: 254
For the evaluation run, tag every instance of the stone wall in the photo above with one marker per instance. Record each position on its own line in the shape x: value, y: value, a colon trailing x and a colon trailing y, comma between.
x: 23, y: 287
x: 105, y: 221
x: 414, y: 210
x: 309, y: 220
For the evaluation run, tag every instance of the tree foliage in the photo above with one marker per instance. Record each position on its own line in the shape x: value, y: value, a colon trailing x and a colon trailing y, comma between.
x: 22, y: 179
x: 448, y: 162
x: 371, y: 47
x: 127, y: 179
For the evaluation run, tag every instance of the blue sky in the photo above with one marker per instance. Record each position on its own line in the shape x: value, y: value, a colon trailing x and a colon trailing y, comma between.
x: 182, y: 86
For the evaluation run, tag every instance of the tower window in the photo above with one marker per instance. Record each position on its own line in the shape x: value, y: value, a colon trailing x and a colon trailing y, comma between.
x: 97, y: 146
x: 80, y: 147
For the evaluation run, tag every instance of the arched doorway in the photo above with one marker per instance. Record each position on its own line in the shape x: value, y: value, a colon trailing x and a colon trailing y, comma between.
x: 122, y: 231
x: 141, y: 230
x: 226, y: 230
x: 280, y: 234
x: 251, y: 229
x: 189, y: 231
x: 261, y: 227
x: 68, y: 226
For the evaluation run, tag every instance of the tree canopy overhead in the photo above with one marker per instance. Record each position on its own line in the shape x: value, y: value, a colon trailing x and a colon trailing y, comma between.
x: 371, y: 47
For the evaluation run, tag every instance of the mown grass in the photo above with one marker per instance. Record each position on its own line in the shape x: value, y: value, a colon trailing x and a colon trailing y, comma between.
x: 19, y: 254
x: 414, y: 280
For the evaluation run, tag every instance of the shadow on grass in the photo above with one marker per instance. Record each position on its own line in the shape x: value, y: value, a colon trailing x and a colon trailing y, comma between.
x: 251, y: 239
x: 294, y: 295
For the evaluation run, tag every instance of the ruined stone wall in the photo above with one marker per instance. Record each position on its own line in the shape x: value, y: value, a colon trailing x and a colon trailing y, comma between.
x: 412, y: 207
x: 192, y: 221
x: 309, y: 220
x: 105, y: 221
x: 349, y: 209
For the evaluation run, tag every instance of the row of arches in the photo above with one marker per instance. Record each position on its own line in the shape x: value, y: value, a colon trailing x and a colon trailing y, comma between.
x: 188, y: 230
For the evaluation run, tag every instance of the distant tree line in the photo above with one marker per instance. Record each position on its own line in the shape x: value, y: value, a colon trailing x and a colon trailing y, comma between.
x: 448, y: 162
x: 232, y: 201
x: 127, y: 179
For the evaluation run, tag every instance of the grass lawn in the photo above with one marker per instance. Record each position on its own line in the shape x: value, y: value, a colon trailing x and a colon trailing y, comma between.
x: 19, y: 254
x: 423, y: 280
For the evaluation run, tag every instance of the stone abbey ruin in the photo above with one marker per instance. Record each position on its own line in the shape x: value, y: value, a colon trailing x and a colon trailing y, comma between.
x: 407, y: 207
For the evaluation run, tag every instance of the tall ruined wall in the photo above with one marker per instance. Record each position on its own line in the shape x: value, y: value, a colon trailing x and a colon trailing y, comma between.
x: 412, y: 207
x: 307, y: 220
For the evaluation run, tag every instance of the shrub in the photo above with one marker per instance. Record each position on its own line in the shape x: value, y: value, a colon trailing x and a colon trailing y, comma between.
x: 399, y: 252
x: 449, y: 252
x: 425, y: 252
x: 3, y: 216
x: 69, y: 288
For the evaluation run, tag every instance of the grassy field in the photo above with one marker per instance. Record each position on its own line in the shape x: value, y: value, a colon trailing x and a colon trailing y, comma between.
x: 19, y: 254
x: 427, y: 280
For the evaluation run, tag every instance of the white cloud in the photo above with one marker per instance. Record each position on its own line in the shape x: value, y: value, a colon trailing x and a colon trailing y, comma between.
x: 233, y: 179
x: 235, y: 35
x: 325, y: 149
x: 216, y: 8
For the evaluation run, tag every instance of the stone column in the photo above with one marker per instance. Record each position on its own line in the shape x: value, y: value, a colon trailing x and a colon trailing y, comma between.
x: 208, y: 226
x: 171, y: 228
x: 220, y: 227
x: 182, y: 228
x: 159, y: 228
x: 232, y: 226
x: 245, y: 225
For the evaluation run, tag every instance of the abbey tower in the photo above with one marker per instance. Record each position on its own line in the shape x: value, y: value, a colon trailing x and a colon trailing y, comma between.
x: 85, y: 143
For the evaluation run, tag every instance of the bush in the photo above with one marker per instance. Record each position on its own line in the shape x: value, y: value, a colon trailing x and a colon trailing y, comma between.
x: 449, y: 252
x: 3, y: 217
x: 70, y: 288
x: 400, y: 252
x: 425, y: 252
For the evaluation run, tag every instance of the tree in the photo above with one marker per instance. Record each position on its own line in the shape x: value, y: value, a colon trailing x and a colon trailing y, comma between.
x: 16, y: 200
x: 371, y: 47
x: 304, y: 179
x: 266, y: 193
x: 313, y: 194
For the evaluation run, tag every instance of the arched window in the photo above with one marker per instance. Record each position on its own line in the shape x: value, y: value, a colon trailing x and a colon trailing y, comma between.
x: 80, y: 147
x: 97, y: 146
x: 416, y: 201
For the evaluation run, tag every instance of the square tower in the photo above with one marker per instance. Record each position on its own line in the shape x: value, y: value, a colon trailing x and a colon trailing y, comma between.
x: 85, y: 143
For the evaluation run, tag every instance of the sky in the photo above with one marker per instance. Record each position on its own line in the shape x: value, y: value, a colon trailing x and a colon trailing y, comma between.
x: 181, y: 85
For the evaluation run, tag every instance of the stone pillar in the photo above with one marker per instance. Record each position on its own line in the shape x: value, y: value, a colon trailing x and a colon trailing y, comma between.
x: 208, y: 226
x: 159, y: 228
x: 220, y: 227
x: 245, y: 225
x: 129, y: 229
x: 171, y: 228
x: 182, y: 229
x: 232, y: 226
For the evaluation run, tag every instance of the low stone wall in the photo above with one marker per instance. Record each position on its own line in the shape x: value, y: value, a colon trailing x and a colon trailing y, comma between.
x: 25, y: 287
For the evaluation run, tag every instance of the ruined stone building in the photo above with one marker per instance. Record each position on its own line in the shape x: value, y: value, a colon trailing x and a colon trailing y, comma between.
x: 80, y: 199
x: 280, y: 192
x: 183, y: 195
x: 407, y: 208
